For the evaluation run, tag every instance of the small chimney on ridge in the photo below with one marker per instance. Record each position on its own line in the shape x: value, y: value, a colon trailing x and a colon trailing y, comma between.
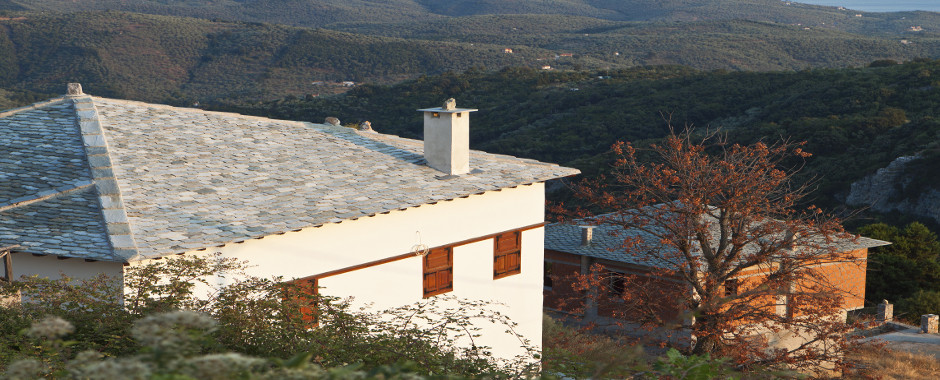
x: 447, y: 138
x: 587, y: 235
x: 74, y: 89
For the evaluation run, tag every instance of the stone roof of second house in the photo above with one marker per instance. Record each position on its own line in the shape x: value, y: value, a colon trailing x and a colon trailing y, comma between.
x: 119, y: 180
x: 608, y: 243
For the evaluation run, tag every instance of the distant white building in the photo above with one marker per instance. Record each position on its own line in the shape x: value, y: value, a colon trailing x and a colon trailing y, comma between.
x: 93, y: 184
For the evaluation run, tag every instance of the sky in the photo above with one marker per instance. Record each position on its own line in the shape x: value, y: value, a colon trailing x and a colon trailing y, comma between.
x: 880, y: 5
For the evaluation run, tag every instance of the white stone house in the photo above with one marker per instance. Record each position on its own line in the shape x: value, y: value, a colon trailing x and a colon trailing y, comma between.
x: 91, y: 185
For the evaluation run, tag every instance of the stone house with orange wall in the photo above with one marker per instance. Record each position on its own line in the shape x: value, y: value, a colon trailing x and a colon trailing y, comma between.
x: 572, y: 250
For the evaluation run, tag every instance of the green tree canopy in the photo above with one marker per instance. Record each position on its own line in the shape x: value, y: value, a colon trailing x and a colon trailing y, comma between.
x: 909, y: 264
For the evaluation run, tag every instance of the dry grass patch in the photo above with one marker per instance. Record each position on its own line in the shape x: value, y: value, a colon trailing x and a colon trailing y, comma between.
x: 881, y: 363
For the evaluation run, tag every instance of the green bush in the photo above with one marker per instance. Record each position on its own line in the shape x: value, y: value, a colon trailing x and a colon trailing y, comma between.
x: 249, y: 319
x: 170, y: 345
x: 678, y: 366
x: 922, y: 302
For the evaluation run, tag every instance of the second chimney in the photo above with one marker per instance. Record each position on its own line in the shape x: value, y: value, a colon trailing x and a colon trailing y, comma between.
x: 447, y: 138
x: 587, y: 235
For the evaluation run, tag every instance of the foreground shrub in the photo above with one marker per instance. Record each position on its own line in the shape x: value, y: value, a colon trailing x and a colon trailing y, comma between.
x: 163, y: 323
x: 169, y: 342
x: 574, y: 353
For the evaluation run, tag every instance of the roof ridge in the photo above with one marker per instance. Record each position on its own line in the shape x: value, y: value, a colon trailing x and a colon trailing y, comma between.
x: 34, y: 106
x: 117, y: 225
x: 194, y: 110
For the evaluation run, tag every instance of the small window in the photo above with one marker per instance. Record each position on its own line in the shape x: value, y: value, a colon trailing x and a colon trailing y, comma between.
x: 731, y: 287
x: 438, y: 271
x: 548, y: 275
x: 615, y: 285
x: 507, y: 255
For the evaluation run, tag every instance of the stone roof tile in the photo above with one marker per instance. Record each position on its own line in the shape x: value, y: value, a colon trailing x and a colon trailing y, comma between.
x: 173, y: 179
x: 67, y: 224
x: 608, y: 240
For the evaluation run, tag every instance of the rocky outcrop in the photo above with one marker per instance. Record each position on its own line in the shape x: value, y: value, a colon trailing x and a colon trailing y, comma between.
x: 882, y: 192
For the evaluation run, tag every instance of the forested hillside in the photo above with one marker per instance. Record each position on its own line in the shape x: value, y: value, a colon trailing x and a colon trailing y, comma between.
x: 184, y: 60
x: 855, y: 120
x: 727, y: 44
x: 180, y: 60
x: 324, y: 13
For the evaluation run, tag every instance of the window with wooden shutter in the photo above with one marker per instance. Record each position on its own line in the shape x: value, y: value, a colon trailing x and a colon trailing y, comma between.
x: 438, y: 271
x: 309, y: 290
x: 507, y: 254
x: 302, y: 295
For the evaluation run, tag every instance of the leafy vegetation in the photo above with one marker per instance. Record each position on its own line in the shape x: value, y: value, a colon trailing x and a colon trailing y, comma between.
x: 250, y: 316
x: 255, y: 329
x: 183, y: 60
x: 906, y: 272
x: 581, y: 354
x: 13, y: 98
x: 325, y: 13
x: 920, y: 303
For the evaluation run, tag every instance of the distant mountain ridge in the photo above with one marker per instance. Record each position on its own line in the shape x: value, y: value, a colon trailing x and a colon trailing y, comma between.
x: 324, y: 13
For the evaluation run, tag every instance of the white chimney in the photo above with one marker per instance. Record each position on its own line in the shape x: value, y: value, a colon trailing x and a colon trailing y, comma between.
x: 447, y: 138
x: 587, y: 235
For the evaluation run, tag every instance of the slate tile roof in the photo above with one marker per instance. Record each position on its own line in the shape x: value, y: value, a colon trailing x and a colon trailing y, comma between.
x: 41, y: 140
x: 66, y: 225
x: 608, y: 243
x: 169, y: 180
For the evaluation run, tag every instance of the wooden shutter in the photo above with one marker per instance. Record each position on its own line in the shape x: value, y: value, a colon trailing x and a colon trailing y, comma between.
x: 304, y: 295
x: 507, y: 254
x: 310, y: 289
x: 438, y: 271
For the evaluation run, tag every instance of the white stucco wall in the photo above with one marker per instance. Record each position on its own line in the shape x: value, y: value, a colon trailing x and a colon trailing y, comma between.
x: 25, y: 264
x: 335, y: 246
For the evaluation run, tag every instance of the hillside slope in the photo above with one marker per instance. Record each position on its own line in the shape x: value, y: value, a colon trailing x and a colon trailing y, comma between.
x: 730, y: 44
x: 322, y: 13
x: 326, y: 13
x: 173, y: 59
x: 185, y: 60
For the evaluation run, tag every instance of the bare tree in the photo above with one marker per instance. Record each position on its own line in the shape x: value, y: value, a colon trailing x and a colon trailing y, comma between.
x: 725, y: 222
